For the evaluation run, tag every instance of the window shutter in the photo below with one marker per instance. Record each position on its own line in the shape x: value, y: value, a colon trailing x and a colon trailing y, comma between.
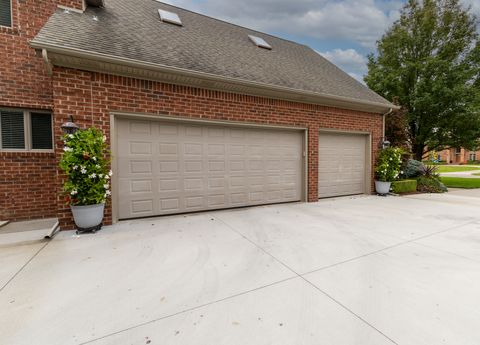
x: 5, y: 13
x: 41, y: 125
x: 13, y: 129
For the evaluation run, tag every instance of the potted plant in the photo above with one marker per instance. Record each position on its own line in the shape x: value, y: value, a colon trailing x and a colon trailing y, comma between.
x: 387, y: 169
x: 87, y: 184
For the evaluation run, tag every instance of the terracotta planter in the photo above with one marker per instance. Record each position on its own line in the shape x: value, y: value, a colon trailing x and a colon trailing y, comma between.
x: 382, y: 188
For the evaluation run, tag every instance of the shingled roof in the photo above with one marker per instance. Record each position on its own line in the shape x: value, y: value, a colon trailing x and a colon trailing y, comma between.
x: 132, y: 29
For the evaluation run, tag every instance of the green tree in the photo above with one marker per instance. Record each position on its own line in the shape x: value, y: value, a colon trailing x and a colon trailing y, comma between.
x: 430, y: 60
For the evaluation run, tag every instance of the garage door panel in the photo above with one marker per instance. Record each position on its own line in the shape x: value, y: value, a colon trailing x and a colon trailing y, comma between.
x: 342, y: 164
x: 169, y: 168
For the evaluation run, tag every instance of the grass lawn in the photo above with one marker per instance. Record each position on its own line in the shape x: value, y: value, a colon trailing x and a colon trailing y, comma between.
x: 448, y: 168
x: 459, y: 182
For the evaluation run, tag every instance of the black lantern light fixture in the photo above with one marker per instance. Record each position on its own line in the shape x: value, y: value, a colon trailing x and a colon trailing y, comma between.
x: 70, y: 126
x: 384, y: 143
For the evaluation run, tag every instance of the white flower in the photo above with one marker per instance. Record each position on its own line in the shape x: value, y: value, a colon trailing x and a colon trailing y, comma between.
x: 70, y: 136
x: 94, y: 158
x: 100, y: 175
x: 401, y: 172
x: 75, y: 167
x: 83, y: 171
x: 67, y: 149
x: 97, y: 166
x: 104, y: 138
x: 93, y: 175
x: 110, y: 173
x: 107, y: 192
x: 73, y: 192
x: 106, y: 185
x: 107, y: 177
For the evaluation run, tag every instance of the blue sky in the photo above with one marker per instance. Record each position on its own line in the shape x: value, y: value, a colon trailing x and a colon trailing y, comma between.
x: 344, y: 31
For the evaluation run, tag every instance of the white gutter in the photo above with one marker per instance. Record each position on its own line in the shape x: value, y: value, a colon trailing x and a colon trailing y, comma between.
x: 80, y: 53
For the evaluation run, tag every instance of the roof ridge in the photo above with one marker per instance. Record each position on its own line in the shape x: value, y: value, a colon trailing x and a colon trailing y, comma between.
x: 233, y: 24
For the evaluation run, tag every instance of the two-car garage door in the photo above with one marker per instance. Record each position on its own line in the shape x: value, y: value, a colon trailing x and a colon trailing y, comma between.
x: 173, y: 167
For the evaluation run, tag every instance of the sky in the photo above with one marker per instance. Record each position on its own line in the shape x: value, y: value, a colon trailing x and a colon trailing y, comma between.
x: 343, y: 31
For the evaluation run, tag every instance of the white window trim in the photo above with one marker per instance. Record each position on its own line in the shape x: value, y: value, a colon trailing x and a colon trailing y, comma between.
x: 27, y: 130
x: 11, y: 17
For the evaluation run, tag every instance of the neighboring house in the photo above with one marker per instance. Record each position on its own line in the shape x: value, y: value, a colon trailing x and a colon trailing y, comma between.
x: 200, y: 114
x: 457, y: 155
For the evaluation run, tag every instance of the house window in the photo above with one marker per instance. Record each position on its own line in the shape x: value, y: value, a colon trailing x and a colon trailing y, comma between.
x: 473, y: 155
x: 25, y: 130
x: 6, y: 13
x: 458, y: 150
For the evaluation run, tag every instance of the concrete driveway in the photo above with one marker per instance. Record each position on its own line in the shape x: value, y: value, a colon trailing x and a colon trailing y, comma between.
x: 348, y: 271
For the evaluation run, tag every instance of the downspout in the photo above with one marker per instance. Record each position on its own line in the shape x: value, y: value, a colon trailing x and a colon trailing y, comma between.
x: 48, y: 63
x: 384, y: 116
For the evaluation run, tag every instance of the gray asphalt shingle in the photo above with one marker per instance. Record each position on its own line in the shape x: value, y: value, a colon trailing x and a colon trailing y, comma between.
x: 132, y: 29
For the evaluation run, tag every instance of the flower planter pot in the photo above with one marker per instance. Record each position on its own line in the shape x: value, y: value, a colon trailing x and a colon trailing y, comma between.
x: 382, y: 188
x: 88, y: 217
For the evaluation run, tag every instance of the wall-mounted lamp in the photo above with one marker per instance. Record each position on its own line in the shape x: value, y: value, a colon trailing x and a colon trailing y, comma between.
x: 70, y: 126
x: 384, y: 143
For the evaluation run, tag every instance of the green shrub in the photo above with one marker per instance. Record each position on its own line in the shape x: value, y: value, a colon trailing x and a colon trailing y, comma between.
x: 430, y: 185
x: 413, y: 168
x: 85, y: 163
x: 388, y: 165
x: 404, y: 186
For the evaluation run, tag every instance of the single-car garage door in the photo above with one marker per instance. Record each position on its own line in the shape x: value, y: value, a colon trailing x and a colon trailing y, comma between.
x: 342, y: 164
x: 172, y: 167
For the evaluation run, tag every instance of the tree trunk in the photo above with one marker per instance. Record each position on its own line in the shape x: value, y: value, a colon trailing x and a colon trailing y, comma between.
x: 418, y: 151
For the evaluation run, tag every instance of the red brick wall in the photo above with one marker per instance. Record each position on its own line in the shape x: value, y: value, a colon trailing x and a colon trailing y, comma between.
x: 26, y: 184
x: 91, y: 97
x: 24, y: 83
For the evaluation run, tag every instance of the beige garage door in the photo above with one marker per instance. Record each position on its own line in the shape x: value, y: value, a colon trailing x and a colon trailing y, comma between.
x: 342, y: 164
x: 171, y: 167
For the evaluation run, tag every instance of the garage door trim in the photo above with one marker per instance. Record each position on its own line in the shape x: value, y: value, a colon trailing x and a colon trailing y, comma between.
x: 182, y: 120
x: 368, y: 153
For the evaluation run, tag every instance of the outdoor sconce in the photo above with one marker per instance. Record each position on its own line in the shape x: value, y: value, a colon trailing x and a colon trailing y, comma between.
x: 70, y: 126
x: 384, y: 143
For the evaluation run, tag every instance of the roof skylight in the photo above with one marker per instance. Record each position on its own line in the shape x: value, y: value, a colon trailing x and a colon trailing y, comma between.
x: 259, y: 42
x: 169, y: 17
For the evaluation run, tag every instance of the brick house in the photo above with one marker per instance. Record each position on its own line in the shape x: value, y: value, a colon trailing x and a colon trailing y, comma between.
x: 458, y: 155
x: 199, y: 113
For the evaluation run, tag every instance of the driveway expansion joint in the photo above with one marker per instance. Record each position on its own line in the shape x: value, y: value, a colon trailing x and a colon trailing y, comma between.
x: 23, y: 267
x: 301, y: 276
x: 392, y: 247
x: 188, y: 310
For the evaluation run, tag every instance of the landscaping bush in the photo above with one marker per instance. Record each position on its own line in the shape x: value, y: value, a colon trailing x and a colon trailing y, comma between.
x: 430, y: 185
x: 86, y: 167
x: 404, y: 186
x: 413, y: 169
x: 388, y: 164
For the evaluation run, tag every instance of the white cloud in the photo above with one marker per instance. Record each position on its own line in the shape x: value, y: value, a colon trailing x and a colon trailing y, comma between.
x: 348, y: 60
x: 361, y: 21
x: 345, y: 58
